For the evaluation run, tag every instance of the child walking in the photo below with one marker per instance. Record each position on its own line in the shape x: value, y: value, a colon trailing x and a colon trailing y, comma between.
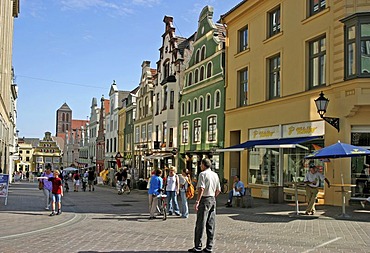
x: 57, y: 192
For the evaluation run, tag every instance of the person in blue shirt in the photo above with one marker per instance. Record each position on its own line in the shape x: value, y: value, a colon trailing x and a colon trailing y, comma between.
x: 155, y: 187
x: 237, y: 190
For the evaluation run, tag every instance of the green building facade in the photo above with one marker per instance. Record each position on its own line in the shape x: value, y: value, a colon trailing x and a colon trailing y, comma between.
x: 201, y: 113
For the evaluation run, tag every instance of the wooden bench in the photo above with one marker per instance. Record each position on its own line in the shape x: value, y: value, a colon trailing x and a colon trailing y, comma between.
x: 245, y: 200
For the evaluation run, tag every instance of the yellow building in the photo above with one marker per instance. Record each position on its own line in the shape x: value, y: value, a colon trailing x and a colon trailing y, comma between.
x: 279, y: 56
x: 47, y: 152
x: 24, y: 163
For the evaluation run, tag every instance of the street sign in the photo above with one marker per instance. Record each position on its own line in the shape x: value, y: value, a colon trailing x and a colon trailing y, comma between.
x: 4, y: 186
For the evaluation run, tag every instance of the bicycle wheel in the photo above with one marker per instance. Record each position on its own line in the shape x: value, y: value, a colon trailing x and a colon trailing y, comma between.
x: 159, y: 206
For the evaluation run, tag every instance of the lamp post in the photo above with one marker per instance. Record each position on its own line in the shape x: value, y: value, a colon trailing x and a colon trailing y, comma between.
x: 321, y: 104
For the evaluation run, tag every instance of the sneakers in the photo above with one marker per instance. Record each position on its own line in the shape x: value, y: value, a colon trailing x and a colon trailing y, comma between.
x: 194, y: 250
x: 229, y: 205
x: 52, y: 213
x: 59, y: 212
x: 206, y: 250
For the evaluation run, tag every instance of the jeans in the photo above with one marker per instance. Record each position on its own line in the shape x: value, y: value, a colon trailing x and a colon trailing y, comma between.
x: 206, y: 218
x: 184, y: 204
x: 48, y: 197
x: 173, y: 206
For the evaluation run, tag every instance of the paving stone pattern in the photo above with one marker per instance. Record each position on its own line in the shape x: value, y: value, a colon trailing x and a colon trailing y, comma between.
x: 103, y: 221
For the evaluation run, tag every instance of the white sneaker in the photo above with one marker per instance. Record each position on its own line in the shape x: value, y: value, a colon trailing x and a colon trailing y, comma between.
x: 46, y: 208
x: 363, y: 204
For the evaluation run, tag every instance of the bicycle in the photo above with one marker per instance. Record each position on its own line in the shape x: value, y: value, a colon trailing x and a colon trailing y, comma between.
x: 122, y: 187
x: 162, y: 205
x: 224, y: 186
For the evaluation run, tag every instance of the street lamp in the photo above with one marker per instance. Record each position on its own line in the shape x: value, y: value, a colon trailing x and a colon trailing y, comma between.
x: 321, y: 104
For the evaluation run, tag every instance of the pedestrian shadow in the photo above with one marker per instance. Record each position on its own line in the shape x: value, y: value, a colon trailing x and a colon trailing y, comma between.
x: 133, y: 217
x: 24, y: 213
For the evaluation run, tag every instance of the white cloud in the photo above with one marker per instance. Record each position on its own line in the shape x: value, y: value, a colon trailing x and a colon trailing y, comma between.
x: 147, y: 3
x: 107, y: 5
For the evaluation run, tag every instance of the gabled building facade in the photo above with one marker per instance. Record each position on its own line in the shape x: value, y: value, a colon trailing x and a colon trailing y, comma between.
x: 201, y: 111
x: 170, y: 68
x: 278, y: 64
x: 143, y: 124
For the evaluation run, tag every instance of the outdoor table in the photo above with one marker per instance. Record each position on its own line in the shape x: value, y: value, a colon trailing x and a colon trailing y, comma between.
x: 343, y: 191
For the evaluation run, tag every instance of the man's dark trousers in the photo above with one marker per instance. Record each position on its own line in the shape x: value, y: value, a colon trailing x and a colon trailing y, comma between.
x: 206, y: 218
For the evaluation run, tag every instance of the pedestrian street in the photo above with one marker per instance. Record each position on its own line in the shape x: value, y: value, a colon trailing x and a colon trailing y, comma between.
x: 103, y: 221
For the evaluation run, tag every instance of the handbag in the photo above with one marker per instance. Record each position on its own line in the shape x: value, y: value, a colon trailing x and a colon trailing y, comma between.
x: 41, y: 185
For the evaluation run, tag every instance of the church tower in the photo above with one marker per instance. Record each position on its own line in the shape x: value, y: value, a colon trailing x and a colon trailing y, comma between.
x: 63, y: 120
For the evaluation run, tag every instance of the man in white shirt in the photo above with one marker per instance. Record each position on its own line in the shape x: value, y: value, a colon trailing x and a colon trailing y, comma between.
x: 312, y: 181
x: 208, y: 189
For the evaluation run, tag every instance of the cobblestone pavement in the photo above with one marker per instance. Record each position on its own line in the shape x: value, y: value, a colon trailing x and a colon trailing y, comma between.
x: 102, y: 221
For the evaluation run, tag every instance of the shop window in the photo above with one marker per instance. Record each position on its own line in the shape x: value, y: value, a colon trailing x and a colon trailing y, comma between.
x: 263, y: 167
x: 317, y: 62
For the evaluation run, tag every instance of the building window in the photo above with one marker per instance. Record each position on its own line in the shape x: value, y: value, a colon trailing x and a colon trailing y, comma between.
x: 185, y: 132
x: 197, y: 56
x: 357, y: 45
x: 209, y: 70
x: 165, y: 93
x: 143, y: 132
x: 203, y: 54
x: 195, y: 105
x: 150, y: 129
x: 212, y: 128
x: 170, y: 144
x: 201, y: 77
x: 182, y: 109
x: 107, y: 147
x: 317, y: 64
x: 201, y: 104
x: 146, y: 106
x: 164, y: 133
x: 196, y: 75
x: 166, y: 69
x: 172, y: 99
x: 243, y: 39
x: 157, y: 104
x: 137, y: 134
x: 243, y: 87
x: 316, y: 6
x: 157, y: 133
x: 274, y: 21
x: 115, y: 144
x: 189, y: 108
x: 196, y: 133
x: 63, y: 116
x: 190, y: 79
x: 217, y: 99
x: 274, y: 77
x: 208, y: 102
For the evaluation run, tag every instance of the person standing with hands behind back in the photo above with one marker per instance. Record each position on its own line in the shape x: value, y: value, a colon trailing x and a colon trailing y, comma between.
x: 312, y: 181
x: 208, y: 189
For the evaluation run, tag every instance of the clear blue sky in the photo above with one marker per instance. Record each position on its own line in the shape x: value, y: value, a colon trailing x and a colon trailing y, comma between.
x: 71, y: 51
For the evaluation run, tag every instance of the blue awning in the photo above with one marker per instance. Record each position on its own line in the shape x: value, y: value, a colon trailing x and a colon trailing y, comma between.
x: 270, y: 143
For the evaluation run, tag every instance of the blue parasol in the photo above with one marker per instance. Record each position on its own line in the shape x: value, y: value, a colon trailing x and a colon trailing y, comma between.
x: 338, y: 150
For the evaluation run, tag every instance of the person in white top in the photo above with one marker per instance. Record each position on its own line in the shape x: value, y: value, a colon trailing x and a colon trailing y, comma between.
x: 312, y: 181
x: 208, y: 189
x: 172, y: 189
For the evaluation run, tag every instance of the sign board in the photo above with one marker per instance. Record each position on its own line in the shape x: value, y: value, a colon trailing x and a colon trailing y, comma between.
x: 272, y: 132
x: 4, y: 186
x: 304, y: 129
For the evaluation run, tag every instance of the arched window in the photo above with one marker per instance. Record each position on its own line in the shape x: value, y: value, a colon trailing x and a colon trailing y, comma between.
x: 201, y: 104
x: 196, y: 75
x: 63, y: 128
x: 182, y: 109
x: 209, y: 70
x: 195, y: 105
x: 203, y: 54
x: 63, y: 116
x: 67, y: 117
x: 208, y: 102
x: 197, y: 56
x: 190, y: 78
x: 189, y: 108
x: 201, y: 77
x: 217, y: 98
